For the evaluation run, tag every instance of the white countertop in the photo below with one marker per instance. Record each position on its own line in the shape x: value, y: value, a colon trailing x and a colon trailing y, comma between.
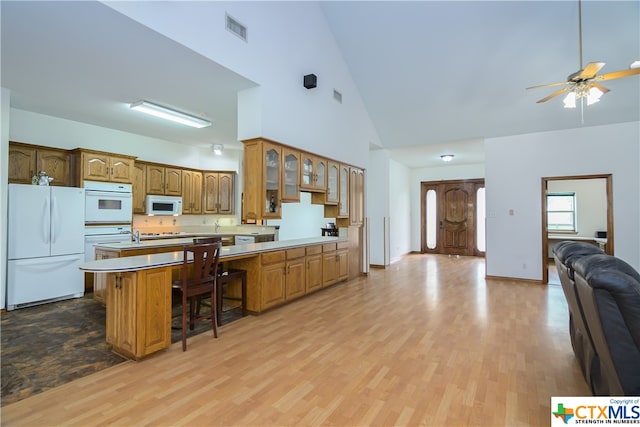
x: 143, y: 262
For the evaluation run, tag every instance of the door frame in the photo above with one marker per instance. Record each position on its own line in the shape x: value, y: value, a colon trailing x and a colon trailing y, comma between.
x: 545, y: 239
x: 424, y: 185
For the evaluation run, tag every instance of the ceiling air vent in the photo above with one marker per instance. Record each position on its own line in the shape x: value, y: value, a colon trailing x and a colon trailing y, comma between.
x: 236, y: 28
x: 337, y: 96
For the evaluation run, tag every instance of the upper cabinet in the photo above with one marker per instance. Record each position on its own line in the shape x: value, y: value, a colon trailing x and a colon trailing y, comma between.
x: 99, y: 166
x: 313, y: 173
x: 333, y: 180
x: 191, y: 192
x: 25, y: 161
x: 262, y: 180
x: 291, y: 175
x: 343, y: 192
x: 218, y: 197
x: 356, y: 190
x: 164, y: 180
x: 139, y: 188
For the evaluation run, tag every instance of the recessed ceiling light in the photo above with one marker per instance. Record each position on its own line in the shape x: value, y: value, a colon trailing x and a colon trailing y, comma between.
x: 447, y: 157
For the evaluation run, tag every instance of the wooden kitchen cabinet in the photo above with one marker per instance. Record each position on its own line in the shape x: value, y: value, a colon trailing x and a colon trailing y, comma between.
x: 313, y: 261
x: 99, y: 166
x: 262, y: 180
x: 25, y: 161
x: 163, y: 180
x: 273, y: 279
x: 332, y: 196
x: 335, y: 263
x: 139, y: 311
x: 295, y: 285
x: 356, y: 196
x: 343, y: 193
x: 191, y: 192
x: 139, y: 188
x: 218, y: 195
x: 313, y: 173
x: 291, y: 175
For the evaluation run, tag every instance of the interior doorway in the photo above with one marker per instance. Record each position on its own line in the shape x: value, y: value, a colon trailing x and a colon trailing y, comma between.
x: 600, y: 196
x: 452, y: 217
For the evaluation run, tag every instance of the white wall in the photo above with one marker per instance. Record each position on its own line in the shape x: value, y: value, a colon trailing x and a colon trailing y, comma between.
x: 591, y: 203
x: 447, y: 172
x: 514, y: 168
x: 378, y: 205
x: 286, y: 40
x: 400, y: 210
x: 301, y: 220
x: 5, y: 96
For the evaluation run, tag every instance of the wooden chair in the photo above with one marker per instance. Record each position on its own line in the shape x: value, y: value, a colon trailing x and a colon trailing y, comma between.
x: 198, y: 278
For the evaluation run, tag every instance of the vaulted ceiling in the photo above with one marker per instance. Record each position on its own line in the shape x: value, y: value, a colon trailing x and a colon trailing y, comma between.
x: 434, y: 76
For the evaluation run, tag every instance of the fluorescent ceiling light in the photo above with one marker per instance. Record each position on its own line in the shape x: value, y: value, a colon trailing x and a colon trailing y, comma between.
x: 170, y: 114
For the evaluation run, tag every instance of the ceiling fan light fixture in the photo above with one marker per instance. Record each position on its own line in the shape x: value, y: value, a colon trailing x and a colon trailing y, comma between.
x: 570, y: 100
x: 594, y: 95
x: 169, y: 114
x: 447, y: 157
x: 635, y: 64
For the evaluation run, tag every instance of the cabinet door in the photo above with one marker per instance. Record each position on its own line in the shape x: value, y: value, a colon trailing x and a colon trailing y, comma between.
x: 95, y: 167
x: 155, y: 179
x: 333, y: 179
x: 356, y: 193
x: 342, y: 264
x: 121, y: 169
x: 196, y: 192
x: 173, y: 182
x: 294, y: 280
x: 154, y: 311
x: 226, y: 199
x: 211, y: 186
x: 291, y: 178
x: 55, y: 164
x: 272, y: 155
x: 121, y: 312
x: 314, y: 273
x: 139, y: 188
x: 329, y: 269
x: 273, y: 284
x: 320, y: 181
x: 307, y: 171
x: 22, y: 164
x: 343, y: 203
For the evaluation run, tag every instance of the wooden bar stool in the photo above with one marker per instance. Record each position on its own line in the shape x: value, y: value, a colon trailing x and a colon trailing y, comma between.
x: 225, y: 278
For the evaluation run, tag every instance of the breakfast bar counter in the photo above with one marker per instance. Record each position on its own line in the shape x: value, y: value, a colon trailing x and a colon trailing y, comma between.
x: 138, y: 288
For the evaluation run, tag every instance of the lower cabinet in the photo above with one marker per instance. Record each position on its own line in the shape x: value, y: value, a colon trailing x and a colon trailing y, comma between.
x: 295, y: 285
x: 314, y: 268
x: 273, y: 279
x: 335, y: 263
x: 139, y: 311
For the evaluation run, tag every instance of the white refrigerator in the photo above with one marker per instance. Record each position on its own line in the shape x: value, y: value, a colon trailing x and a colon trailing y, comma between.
x: 45, y: 244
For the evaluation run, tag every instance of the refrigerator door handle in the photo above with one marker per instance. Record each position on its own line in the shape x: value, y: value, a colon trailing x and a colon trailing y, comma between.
x: 54, y: 219
x: 45, y: 225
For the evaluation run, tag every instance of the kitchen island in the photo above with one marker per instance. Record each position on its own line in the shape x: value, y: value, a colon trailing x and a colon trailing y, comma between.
x: 138, y: 292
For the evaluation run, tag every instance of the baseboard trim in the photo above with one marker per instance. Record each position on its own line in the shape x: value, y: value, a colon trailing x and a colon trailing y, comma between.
x: 514, y: 279
x: 378, y: 266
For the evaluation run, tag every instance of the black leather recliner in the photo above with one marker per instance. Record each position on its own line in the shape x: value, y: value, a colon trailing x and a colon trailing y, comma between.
x: 609, y: 291
x: 565, y: 254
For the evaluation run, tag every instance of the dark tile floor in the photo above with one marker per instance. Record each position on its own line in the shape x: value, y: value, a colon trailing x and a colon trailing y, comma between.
x: 48, y: 345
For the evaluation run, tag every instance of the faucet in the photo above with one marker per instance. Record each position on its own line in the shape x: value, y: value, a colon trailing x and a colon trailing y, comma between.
x: 217, y: 226
x: 136, y: 235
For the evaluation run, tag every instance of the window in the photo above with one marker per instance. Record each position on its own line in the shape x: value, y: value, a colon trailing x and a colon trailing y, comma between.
x: 561, y: 212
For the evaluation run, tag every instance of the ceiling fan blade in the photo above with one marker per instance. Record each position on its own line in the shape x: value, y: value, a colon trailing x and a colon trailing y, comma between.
x: 618, y: 74
x: 589, y: 71
x: 602, y: 88
x: 548, y: 85
x: 554, y: 94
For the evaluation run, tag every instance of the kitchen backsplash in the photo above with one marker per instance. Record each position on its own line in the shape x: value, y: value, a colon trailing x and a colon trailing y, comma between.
x: 194, y: 223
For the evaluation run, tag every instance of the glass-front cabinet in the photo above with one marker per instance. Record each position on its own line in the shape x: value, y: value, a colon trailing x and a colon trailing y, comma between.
x: 313, y: 173
x: 333, y: 179
x: 291, y: 175
x: 272, y: 160
x: 343, y: 203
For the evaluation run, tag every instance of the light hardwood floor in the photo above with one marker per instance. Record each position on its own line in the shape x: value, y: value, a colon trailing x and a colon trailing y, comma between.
x: 425, y: 342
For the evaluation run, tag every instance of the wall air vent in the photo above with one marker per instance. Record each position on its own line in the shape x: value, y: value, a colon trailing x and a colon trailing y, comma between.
x: 236, y: 28
x: 337, y: 96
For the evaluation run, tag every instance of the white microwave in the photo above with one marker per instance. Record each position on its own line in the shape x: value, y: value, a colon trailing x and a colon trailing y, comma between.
x: 164, y: 205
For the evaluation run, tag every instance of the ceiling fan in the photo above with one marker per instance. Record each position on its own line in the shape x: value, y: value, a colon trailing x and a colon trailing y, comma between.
x: 585, y: 82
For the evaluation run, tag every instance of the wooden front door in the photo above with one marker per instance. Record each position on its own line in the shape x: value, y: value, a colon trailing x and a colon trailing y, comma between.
x: 454, y: 223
